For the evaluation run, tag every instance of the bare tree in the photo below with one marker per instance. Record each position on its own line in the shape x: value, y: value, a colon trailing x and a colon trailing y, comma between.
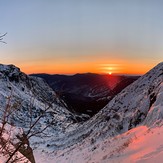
x: 30, y: 131
x: 1, y: 38
x: 8, y: 112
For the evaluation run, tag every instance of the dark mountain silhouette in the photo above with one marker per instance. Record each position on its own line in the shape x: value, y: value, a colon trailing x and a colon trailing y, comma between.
x: 87, y: 93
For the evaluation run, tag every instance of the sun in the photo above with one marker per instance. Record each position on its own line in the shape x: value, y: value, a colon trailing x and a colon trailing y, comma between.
x: 109, y: 69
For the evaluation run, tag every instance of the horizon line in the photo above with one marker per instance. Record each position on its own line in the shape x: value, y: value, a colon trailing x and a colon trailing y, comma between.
x: 72, y: 74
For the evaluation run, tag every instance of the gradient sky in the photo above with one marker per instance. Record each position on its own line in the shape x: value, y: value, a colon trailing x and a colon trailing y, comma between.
x: 76, y: 36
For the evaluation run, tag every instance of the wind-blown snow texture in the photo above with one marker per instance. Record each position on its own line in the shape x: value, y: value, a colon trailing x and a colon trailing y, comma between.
x: 141, y: 103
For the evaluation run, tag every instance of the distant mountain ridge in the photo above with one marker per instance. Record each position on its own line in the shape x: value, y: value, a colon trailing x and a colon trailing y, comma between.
x: 87, y: 93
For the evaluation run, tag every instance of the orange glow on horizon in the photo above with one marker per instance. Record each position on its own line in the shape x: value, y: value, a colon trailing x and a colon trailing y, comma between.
x: 84, y: 67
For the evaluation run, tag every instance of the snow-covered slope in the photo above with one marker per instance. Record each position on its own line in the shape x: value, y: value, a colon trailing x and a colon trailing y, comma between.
x: 112, y: 135
x: 24, y: 92
x: 24, y: 98
x: 138, y: 145
x: 127, y: 110
x: 141, y: 103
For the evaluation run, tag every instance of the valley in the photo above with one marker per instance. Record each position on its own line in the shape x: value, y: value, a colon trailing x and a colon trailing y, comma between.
x: 87, y: 93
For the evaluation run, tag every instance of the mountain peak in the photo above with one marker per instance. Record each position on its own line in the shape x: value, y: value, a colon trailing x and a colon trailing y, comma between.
x: 9, y: 68
x: 161, y: 63
x: 12, y: 73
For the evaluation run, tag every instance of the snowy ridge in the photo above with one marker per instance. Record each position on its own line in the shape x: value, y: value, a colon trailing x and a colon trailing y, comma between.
x: 127, y: 110
x: 27, y: 97
x: 28, y: 91
x: 141, y: 103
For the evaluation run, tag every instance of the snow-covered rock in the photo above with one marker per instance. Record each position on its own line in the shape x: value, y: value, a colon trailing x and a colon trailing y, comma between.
x: 26, y: 93
x: 24, y: 98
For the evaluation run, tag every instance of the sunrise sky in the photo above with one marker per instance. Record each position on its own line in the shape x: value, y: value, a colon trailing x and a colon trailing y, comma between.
x: 77, y: 36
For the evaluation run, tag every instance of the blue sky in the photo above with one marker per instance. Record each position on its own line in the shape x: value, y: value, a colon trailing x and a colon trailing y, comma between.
x: 50, y: 32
